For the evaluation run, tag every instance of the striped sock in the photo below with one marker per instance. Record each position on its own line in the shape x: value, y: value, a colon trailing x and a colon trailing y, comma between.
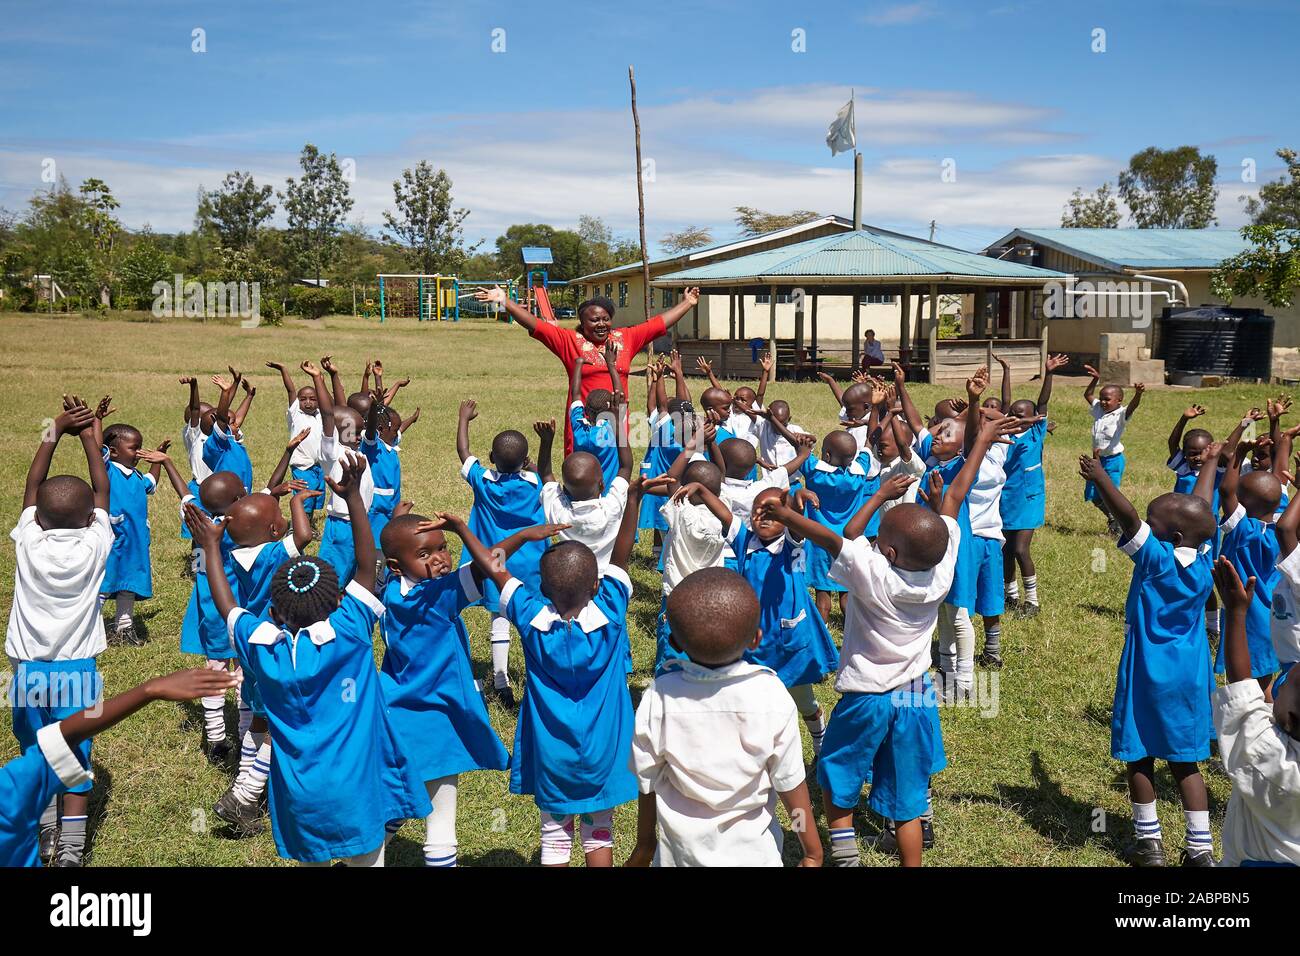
x: 72, y: 839
x: 1031, y: 589
x: 816, y: 724
x: 247, y: 753
x: 214, y: 719
x: 391, y: 828
x: 440, y: 824
x: 500, y: 651
x: 1198, y: 831
x: 250, y: 786
x: 929, y: 804
x: 1212, y: 622
x: 993, y: 639
x: 1013, y: 591
x: 1146, y: 824
x: 844, y: 847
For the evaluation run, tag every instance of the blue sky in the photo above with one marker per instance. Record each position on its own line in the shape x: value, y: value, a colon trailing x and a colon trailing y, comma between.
x: 1010, y: 92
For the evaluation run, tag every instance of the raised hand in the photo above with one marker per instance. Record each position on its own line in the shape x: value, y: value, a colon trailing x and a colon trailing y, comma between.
x: 658, y: 485
x: 469, y: 410
x: 1057, y: 361
x: 74, y: 418
x: 703, y: 364
x: 249, y: 387
x: 105, y: 407
x: 765, y: 363
x: 403, y: 508
x: 692, y: 295
x: 1001, y: 361
x: 349, y: 483
x: 188, y: 380
x: 310, y: 368
x: 896, y: 486
x: 297, y: 439
x: 278, y: 366
x: 545, y: 429
x: 1089, y: 467
x: 202, y: 528
x: 1139, y: 389
x: 1092, y: 371
x: 153, y: 456
x: 327, y: 363
x: 803, y: 497
x: 1227, y: 582
x: 931, y: 491
x: 685, y: 491
x: 543, y: 532
x: 495, y: 294
x: 1194, y: 411
x: 900, y: 375
x: 191, y: 684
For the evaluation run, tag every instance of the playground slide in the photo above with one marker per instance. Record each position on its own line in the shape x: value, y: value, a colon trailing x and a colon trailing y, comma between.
x: 544, y: 304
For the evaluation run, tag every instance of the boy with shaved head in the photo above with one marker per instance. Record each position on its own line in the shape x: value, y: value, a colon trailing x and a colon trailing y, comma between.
x: 1109, y: 416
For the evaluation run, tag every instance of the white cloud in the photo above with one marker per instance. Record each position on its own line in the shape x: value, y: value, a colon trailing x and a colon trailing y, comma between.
x: 900, y: 14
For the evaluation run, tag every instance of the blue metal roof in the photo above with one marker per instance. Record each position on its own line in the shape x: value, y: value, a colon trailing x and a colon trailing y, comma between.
x: 537, y: 255
x: 1120, y: 249
x: 866, y: 254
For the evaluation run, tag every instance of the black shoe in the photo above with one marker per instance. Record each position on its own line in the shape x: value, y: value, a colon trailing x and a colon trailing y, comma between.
x: 927, y: 834
x: 48, y: 841
x: 127, y: 636
x: 66, y: 858
x: 219, y: 753
x: 1144, y: 853
x: 990, y: 659
x: 506, y: 696
x: 1026, y: 610
x: 886, y: 841
x: 244, y: 818
x: 1200, y: 858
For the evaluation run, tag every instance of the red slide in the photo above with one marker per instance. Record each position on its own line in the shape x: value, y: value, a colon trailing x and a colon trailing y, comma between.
x: 544, y: 304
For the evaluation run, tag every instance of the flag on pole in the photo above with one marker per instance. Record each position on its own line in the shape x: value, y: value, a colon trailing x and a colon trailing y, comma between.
x: 842, y: 137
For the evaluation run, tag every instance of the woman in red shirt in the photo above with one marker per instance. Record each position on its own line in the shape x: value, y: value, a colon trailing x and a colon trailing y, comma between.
x: 586, y: 343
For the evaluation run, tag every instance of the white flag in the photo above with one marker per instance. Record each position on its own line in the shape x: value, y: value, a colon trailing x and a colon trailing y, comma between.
x: 841, y: 137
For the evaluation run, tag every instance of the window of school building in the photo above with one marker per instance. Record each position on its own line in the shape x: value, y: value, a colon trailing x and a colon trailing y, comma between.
x: 782, y: 298
x: 876, y: 300
x: 609, y: 290
x: 622, y: 295
x: 667, y: 298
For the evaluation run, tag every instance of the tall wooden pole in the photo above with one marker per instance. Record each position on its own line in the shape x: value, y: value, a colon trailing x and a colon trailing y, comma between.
x: 640, y: 195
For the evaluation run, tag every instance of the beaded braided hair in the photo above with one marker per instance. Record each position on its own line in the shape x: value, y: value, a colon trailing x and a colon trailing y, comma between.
x: 304, y: 590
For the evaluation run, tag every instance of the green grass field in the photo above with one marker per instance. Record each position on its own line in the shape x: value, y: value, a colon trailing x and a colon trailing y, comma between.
x: 1030, y: 785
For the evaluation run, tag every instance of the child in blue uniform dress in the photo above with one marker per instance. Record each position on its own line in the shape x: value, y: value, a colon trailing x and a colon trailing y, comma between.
x: 573, y: 740
x: 340, y: 774
x: 129, y: 574
x: 837, y: 484
x: 381, y: 446
x: 224, y: 449
x: 1024, y: 494
x: 507, y: 497
x: 194, y: 435
x: 1249, y: 505
x: 57, y: 763
x: 592, y: 421
x: 1163, y: 686
x: 427, y: 677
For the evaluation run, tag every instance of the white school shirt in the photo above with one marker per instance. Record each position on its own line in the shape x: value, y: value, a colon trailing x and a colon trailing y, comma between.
x: 694, y: 540
x: 1263, y: 762
x: 1107, y: 428
x: 55, y: 611
x: 890, y: 616
x: 859, y: 432
x: 331, y: 461
x: 595, y: 521
x: 985, y: 496
x: 1284, y: 622
x: 193, y: 440
x: 309, y: 452
x: 742, y: 426
x: 738, y: 494
x: 913, y: 467
x: 715, y: 746
x: 772, y: 447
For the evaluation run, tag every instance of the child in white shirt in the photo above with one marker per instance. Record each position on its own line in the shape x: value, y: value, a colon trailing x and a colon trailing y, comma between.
x: 592, y: 511
x: 1109, y: 416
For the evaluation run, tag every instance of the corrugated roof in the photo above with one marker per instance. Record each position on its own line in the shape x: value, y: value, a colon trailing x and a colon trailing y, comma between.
x: 866, y: 254
x: 1120, y: 249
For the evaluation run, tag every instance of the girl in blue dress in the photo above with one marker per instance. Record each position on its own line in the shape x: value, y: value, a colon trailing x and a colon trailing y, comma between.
x: 427, y: 677
x: 340, y: 773
x: 381, y: 446
x: 128, y: 576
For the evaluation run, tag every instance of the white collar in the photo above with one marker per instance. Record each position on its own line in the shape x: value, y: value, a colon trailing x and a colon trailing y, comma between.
x: 406, y: 585
x: 590, y: 618
x: 698, y: 672
x: 247, y: 556
x: 267, y: 633
x: 853, y: 468
x: 737, y: 482
x: 491, y: 474
x: 1185, y: 556
x: 122, y: 468
x: 772, y: 547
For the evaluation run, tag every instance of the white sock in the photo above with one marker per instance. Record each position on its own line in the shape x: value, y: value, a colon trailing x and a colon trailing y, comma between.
x: 125, y: 608
x: 816, y: 724
x: 1198, y: 831
x: 1013, y: 590
x: 248, y: 747
x: 965, y: 649
x: 1212, y: 621
x: 500, y: 651
x: 947, y: 641
x: 214, y: 709
x: 440, y: 824
x: 1146, y: 823
x: 250, y: 787
x: 1031, y: 589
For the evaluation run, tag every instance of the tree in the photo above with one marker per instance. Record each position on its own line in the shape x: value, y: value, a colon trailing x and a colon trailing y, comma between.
x: 104, y: 230
x: 426, y: 222
x: 1170, y: 188
x: 1279, y: 201
x: 1098, y: 211
x: 692, y: 237
x: 236, y: 210
x: 1270, y: 271
x: 316, y: 205
x: 753, y: 222
x: 146, y: 263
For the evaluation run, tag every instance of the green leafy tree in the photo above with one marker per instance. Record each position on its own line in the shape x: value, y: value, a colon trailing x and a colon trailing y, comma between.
x: 1270, y: 271
x: 100, y: 204
x: 425, y: 221
x: 754, y: 222
x: 236, y: 210
x: 316, y: 205
x: 1170, y: 188
x: 1279, y: 201
x: 1098, y: 211
x: 144, y: 264
x: 692, y: 237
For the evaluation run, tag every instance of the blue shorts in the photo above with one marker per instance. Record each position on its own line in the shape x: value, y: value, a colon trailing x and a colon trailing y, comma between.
x: 315, y: 479
x: 990, y: 590
x: 44, y: 692
x: 1113, y: 465
x: 337, y: 549
x: 891, y: 739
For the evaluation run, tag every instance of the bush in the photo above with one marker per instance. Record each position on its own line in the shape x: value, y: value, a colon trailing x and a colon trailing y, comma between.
x: 310, y: 302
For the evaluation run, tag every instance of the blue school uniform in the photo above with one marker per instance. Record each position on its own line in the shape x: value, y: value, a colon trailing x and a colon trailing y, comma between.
x: 27, y: 785
x: 340, y: 773
x: 1113, y: 465
x: 44, y: 692
x: 1163, y: 687
x: 1023, y: 504
x: 386, y: 471
x: 726, y: 434
x: 314, y: 479
x: 596, y: 439
x: 872, y: 467
x: 964, y: 592
x: 659, y: 457
x: 128, y: 568
x: 1252, y: 547
x: 573, y: 740
x: 435, y: 706
x: 223, y: 452
x: 503, y: 504
x: 841, y: 492
x: 203, y: 630
x: 796, y: 642
x: 252, y: 571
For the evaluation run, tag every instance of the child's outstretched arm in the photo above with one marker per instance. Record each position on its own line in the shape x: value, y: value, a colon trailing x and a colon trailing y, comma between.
x: 75, y: 418
x: 250, y: 390
x: 806, y: 528
x: 764, y: 374
x: 1237, y: 598
x: 891, y: 489
x: 289, y: 390
x: 626, y: 539
x: 1231, y: 479
x: 323, y: 397
x: 1204, y: 487
x: 1118, y: 505
x: 705, y: 366
x: 1006, y: 382
x: 102, y: 411
x: 804, y: 446
x: 371, y: 425
x: 377, y: 367
x: 991, y: 429
x: 683, y: 391
x: 1288, y: 527
x: 575, y: 381
x: 337, y: 391
x: 913, y: 417
x: 365, y: 376
x: 904, y: 447
x: 415, y: 417
x: 716, y: 506
x: 1090, y: 390
x: 975, y: 386
x: 300, y: 523
x: 545, y: 442
x: 502, y: 550
x: 160, y: 459
x: 838, y: 392
x: 192, y: 417
x: 180, y: 685
x: 282, y: 466
x: 468, y: 412
x: 1138, y: 391
x: 1045, y: 393
x: 621, y: 436
x: 1282, y: 446
x: 156, y: 464
x: 348, y: 487
x: 390, y: 393
x: 611, y: 365
x: 96, y: 465
x: 228, y: 389
x: 1176, y: 436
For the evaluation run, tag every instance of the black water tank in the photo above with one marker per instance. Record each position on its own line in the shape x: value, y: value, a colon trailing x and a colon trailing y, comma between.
x: 1216, y: 340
